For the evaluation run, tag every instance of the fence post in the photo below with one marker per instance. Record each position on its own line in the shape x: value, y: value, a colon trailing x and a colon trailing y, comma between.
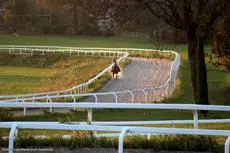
x: 90, y: 117
x: 226, y: 149
x: 11, y: 137
x: 114, y: 93
x: 89, y: 121
x: 74, y: 101
x: 95, y: 96
x: 195, y: 118
x: 48, y: 99
x: 132, y: 95
x: 24, y: 109
x: 121, y: 140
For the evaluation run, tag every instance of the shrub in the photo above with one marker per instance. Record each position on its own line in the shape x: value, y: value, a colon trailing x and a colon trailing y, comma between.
x: 6, y: 115
x: 81, y: 140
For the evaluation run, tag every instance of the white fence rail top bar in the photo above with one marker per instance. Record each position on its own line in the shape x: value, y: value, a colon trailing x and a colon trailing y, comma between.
x: 113, y: 105
x: 135, y: 129
x: 123, y: 123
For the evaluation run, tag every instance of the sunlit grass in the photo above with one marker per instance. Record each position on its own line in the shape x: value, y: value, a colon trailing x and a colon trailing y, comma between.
x: 67, y: 72
x: 17, y: 80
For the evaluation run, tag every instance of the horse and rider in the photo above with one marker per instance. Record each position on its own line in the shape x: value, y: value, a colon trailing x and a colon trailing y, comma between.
x: 115, y: 69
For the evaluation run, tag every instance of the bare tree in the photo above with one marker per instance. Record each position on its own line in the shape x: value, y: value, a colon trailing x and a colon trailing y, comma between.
x: 221, y: 43
x: 89, y: 8
x: 196, y: 18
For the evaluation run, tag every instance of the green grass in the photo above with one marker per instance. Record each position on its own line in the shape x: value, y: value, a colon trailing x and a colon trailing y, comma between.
x: 33, y: 73
x: 17, y: 80
x: 74, y: 71
x: 82, y: 41
x: 218, y: 81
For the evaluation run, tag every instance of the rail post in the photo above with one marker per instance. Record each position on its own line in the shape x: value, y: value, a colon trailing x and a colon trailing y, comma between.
x: 132, y: 95
x: 121, y: 139
x: 74, y: 101
x: 227, y: 143
x: 24, y: 109
x: 195, y: 118
x: 90, y: 116
x: 90, y: 119
x: 95, y: 96
x: 114, y: 93
x: 11, y: 137
x: 49, y: 100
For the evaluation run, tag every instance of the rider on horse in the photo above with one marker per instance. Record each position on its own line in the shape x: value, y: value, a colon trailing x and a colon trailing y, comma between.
x: 115, y: 68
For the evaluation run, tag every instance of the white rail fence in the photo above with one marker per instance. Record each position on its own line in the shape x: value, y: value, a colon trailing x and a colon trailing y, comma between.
x: 108, y: 105
x: 162, y: 91
x: 103, y: 126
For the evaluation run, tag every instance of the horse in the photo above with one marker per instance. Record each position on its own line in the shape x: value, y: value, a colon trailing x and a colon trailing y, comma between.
x: 115, y: 69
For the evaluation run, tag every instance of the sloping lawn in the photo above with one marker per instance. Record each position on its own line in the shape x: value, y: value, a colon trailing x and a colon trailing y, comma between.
x: 21, y: 74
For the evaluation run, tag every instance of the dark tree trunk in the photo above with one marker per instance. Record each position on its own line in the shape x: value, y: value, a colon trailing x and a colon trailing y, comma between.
x: 197, y: 67
x: 75, y: 19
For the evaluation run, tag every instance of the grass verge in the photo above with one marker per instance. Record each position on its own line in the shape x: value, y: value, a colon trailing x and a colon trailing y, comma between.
x: 80, y: 140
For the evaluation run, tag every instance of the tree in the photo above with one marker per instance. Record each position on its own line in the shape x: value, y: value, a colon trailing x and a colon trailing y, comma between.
x: 196, y: 18
x: 86, y: 10
x: 221, y: 43
x: 61, y: 4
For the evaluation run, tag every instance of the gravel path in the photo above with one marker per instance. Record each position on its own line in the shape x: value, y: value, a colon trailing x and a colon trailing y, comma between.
x: 141, y: 73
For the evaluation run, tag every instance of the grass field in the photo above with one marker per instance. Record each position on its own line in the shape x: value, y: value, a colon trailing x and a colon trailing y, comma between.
x: 218, y: 81
x: 37, y: 73
x: 18, y: 80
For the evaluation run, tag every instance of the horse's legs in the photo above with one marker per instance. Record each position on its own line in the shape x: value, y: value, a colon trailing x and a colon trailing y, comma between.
x: 113, y: 75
